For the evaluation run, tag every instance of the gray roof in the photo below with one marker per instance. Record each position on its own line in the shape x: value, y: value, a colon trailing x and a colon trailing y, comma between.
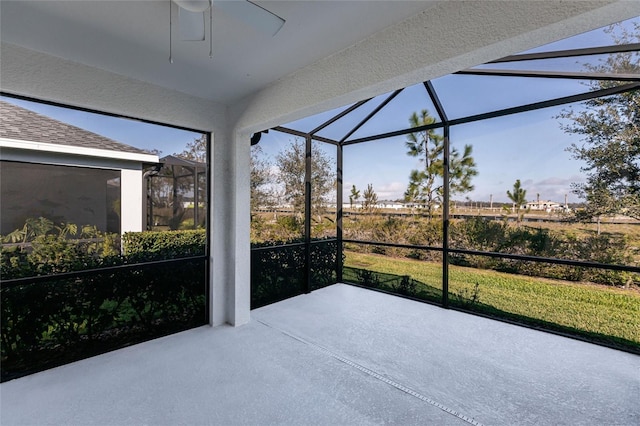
x: 172, y: 160
x: 22, y: 124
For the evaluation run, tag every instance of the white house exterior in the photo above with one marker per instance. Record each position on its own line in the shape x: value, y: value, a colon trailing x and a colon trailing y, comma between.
x: 392, y: 205
x: 544, y: 205
x: 97, y: 172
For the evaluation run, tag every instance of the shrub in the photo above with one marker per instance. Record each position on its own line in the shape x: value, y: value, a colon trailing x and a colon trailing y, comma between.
x: 487, y: 235
x: 467, y: 298
x: 477, y: 233
x: 290, y: 224
x: 405, y: 286
x: 368, y: 278
x: 160, y: 245
x: 277, y: 272
x: 41, y: 248
x: 62, y: 319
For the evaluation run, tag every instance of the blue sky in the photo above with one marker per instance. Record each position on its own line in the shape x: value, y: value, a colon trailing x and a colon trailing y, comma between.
x: 530, y: 147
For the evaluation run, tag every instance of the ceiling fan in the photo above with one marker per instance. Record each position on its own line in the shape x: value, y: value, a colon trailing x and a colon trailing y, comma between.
x: 191, y: 18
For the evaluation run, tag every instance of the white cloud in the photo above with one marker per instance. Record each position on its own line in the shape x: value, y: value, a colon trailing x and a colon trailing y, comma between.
x: 390, y: 191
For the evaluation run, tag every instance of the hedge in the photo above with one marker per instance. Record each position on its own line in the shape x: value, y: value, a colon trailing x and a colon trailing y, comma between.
x: 159, y: 245
x: 57, y: 320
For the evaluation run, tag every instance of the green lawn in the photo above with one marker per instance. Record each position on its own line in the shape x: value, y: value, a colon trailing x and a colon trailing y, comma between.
x: 597, y: 312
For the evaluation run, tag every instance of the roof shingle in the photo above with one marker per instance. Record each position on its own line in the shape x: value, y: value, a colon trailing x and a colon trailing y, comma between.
x: 22, y: 124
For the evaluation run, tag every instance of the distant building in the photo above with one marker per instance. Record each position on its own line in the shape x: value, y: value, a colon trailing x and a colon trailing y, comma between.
x: 67, y: 174
x: 412, y: 205
x: 392, y: 205
x: 544, y: 205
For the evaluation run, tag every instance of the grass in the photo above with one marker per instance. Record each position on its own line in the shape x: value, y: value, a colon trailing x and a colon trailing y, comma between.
x: 597, y: 312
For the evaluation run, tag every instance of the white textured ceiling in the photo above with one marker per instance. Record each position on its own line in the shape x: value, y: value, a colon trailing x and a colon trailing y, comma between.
x: 131, y: 38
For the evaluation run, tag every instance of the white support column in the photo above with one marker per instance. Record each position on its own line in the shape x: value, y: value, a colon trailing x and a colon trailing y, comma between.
x: 242, y: 237
x: 230, y: 250
x: 131, y: 200
x: 220, y: 224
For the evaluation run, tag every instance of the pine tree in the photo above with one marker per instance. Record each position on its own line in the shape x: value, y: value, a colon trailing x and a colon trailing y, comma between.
x: 426, y: 184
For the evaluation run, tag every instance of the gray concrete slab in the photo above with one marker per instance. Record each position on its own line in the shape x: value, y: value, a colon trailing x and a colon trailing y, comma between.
x: 340, y: 355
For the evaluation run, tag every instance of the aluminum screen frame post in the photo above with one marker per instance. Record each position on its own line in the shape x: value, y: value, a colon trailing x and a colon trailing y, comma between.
x: 339, y: 212
x: 445, y: 221
x: 307, y: 215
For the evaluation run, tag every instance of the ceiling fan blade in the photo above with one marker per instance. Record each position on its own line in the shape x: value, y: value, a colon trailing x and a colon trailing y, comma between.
x: 193, y: 5
x: 191, y: 25
x: 252, y: 14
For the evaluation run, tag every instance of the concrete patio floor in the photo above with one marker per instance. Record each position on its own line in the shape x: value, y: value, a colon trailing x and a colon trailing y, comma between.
x: 340, y: 355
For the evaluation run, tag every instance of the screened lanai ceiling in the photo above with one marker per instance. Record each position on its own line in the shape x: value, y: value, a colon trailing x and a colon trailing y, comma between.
x: 556, y: 74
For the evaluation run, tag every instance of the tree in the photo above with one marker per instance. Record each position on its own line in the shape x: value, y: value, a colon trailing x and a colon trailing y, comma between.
x: 196, y: 150
x: 599, y: 202
x: 610, y: 131
x: 291, y: 172
x: 261, y: 179
x: 519, y: 198
x: 426, y: 184
x: 354, y: 196
x: 370, y: 199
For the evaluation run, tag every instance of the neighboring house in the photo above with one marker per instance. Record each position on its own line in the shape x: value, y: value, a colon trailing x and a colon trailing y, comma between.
x: 420, y: 206
x: 67, y: 174
x: 394, y: 205
x: 544, y: 205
